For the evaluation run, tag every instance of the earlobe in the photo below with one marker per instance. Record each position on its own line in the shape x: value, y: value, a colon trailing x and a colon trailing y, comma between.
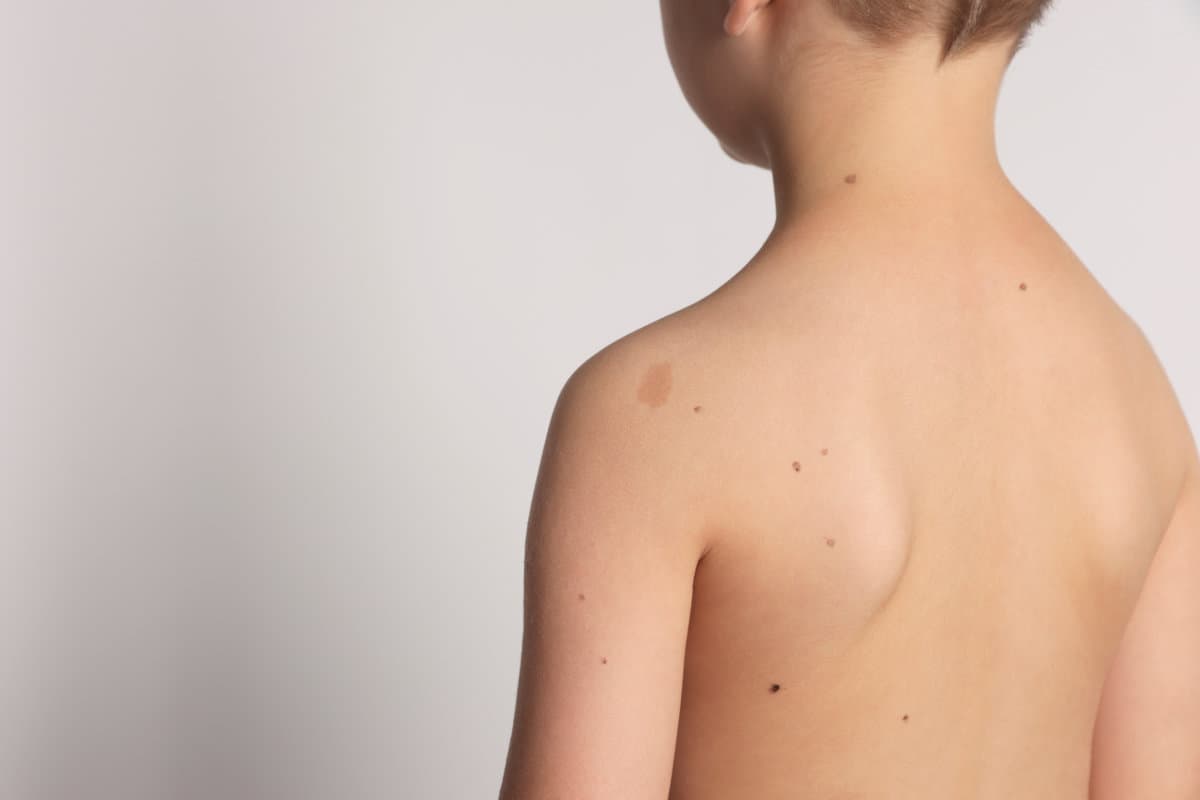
x: 740, y: 13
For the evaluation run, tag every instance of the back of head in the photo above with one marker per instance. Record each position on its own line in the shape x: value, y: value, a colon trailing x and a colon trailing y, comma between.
x: 753, y: 68
x: 962, y: 24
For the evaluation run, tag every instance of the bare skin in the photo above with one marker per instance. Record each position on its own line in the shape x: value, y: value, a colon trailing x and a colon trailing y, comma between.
x: 905, y: 509
x: 940, y: 588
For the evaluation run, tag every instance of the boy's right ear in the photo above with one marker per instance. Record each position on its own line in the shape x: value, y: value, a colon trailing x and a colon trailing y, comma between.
x: 741, y: 12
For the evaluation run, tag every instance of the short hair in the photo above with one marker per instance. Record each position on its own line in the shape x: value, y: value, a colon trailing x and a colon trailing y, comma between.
x: 962, y: 24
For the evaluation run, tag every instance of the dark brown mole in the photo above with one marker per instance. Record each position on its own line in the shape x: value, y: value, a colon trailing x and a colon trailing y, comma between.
x: 1023, y: 287
x: 775, y: 687
x: 905, y: 718
x: 796, y: 466
x: 851, y: 179
x: 830, y: 542
x: 697, y: 409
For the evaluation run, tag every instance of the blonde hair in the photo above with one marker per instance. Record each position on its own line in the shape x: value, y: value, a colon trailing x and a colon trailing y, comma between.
x: 962, y: 24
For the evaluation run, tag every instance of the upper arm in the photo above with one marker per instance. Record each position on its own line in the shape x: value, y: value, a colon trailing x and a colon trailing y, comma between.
x: 1146, y: 742
x: 611, y: 551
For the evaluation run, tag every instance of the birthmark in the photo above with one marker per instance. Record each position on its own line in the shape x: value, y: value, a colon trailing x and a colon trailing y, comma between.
x: 655, y: 387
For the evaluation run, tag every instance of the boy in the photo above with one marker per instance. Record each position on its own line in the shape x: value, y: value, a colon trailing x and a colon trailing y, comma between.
x: 906, y: 508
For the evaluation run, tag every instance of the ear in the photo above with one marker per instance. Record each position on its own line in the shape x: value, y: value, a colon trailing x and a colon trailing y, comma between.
x: 740, y: 14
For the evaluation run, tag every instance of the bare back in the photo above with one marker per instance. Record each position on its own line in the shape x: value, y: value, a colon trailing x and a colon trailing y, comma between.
x: 940, y: 478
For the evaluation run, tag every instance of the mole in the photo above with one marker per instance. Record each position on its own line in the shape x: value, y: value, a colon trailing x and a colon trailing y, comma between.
x: 796, y: 466
x: 825, y: 451
x: 904, y: 718
x: 604, y: 660
x: 1023, y: 287
x: 581, y: 596
x: 830, y: 542
x: 851, y: 179
x: 697, y: 409
x: 775, y: 687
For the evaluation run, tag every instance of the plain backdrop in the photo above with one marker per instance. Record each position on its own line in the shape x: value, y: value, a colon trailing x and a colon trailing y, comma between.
x: 287, y: 293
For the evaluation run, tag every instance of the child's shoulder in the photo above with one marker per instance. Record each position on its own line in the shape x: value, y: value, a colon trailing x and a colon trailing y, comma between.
x: 651, y: 374
x: 700, y: 393
x: 668, y: 368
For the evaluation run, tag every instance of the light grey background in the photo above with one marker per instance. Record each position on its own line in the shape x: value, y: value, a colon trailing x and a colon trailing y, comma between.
x: 287, y: 292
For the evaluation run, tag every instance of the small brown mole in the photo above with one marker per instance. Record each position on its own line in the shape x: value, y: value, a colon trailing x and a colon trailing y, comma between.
x: 581, y: 596
x: 830, y: 542
x: 775, y: 687
x: 698, y: 409
x: 604, y: 660
x: 904, y: 718
x: 1024, y: 287
x: 796, y: 466
x: 825, y: 451
x: 852, y: 178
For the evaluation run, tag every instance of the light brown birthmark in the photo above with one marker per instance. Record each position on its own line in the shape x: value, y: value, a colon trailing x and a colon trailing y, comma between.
x: 656, y: 385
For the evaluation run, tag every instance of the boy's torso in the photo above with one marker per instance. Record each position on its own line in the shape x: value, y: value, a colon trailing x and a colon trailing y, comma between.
x: 937, y: 485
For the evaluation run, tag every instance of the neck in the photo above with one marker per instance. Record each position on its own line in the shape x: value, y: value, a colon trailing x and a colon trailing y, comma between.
x: 902, y: 129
